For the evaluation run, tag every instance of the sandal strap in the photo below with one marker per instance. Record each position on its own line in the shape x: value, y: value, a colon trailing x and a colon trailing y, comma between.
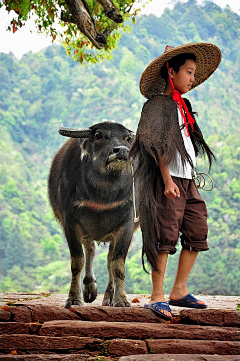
x: 161, y: 306
x: 190, y: 298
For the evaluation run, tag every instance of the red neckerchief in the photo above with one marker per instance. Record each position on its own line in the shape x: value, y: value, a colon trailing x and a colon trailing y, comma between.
x: 183, y: 108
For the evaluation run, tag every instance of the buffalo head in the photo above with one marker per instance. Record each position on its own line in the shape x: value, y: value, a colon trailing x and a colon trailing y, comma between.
x: 106, y: 145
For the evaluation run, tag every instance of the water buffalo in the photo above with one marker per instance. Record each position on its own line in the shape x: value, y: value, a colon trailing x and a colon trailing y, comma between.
x: 91, y: 193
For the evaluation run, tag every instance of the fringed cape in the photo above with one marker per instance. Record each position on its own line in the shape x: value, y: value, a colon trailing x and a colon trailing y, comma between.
x: 157, y: 141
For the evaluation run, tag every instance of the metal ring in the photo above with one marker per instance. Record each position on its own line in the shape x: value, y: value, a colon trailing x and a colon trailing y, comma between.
x: 201, y: 181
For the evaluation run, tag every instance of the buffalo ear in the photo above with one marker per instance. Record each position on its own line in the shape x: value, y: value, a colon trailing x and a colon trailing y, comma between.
x: 74, y: 133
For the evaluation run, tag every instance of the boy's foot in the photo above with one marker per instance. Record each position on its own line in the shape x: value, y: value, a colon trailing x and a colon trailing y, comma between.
x: 159, y: 299
x: 177, y: 294
x: 188, y: 301
x: 161, y: 308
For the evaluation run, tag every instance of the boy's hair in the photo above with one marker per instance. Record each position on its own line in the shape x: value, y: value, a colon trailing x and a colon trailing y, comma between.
x: 176, y: 62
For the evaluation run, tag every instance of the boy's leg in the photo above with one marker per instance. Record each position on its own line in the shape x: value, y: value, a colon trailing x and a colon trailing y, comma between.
x: 157, y: 281
x: 194, y: 233
x: 186, y: 261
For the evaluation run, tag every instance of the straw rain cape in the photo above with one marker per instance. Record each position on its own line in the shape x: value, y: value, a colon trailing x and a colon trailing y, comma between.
x: 157, y: 141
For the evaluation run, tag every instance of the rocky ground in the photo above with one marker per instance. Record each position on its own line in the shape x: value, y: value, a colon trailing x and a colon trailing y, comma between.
x: 213, y: 302
x: 38, y: 327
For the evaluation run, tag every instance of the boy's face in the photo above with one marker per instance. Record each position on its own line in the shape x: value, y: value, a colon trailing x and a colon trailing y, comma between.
x: 184, y: 79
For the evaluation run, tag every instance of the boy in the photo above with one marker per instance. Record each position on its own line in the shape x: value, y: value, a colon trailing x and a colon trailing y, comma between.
x: 167, y: 142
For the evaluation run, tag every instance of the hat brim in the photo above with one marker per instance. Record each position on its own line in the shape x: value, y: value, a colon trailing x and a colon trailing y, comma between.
x: 208, y: 58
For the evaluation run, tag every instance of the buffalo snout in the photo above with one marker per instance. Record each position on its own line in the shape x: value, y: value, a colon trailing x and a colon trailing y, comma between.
x: 121, y: 152
x: 117, y: 158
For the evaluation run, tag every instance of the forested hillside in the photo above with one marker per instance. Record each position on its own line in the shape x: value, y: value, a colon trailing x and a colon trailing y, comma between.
x: 43, y: 90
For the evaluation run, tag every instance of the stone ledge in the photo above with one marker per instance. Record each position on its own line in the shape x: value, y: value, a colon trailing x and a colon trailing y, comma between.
x: 120, y: 347
x: 38, y: 313
x: 135, y: 330
x: 44, y: 313
x: 179, y: 357
x: 19, y: 313
x: 194, y: 347
x: 32, y: 357
x: 210, y: 317
x: 36, y: 343
x: 5, y: 315
x: 10, y: 328
x: 117, y: 314
x: 72, y: 344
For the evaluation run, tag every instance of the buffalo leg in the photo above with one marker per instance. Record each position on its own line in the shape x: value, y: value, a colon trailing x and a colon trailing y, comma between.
x: 89, y: 280
x: 77, y: 264
x: 117, y: 267
x: 108, y: 295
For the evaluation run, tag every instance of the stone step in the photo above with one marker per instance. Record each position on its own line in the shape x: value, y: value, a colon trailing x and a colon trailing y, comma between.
x: 137, y: 330
x: 32, y: 343
x: 43, y: 313
x: 159, y: 357
x: 71, y: 344
x: 115, y: 347
x: 180, y: 357
x: 210, y: 317
x: 38, y: 313
x: 209, y: 347
x: 48, y: 357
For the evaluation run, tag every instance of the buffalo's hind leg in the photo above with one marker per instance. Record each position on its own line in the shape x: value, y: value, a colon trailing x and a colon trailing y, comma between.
x: 77, y: 264
x: 89, y: 280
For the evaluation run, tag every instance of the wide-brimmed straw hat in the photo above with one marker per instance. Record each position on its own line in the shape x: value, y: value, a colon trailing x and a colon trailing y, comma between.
x: 208, y: 57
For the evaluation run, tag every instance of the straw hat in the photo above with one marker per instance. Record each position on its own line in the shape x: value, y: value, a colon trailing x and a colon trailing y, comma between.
x: 208, y: 57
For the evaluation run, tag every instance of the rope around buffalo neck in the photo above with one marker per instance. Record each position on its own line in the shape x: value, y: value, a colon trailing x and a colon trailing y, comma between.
x: 136, y: 219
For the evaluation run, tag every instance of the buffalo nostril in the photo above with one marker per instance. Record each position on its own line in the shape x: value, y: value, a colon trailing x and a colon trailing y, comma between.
x: 116, y: 150
x: 120, y: 148
x: 119, y: 152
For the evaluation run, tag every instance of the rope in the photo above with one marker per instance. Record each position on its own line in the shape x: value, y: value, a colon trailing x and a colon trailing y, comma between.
x: 201, y: 181
x: 136, y: 219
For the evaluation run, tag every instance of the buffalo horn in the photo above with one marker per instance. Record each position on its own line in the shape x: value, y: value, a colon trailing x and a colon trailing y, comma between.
x: 74, y: 133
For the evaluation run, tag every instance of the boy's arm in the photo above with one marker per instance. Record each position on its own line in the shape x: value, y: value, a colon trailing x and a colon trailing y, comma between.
x: 171, y: 189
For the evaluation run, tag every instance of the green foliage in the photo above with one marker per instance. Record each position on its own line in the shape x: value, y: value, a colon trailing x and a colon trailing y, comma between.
x: 53, y: 18
x: 43, y: 90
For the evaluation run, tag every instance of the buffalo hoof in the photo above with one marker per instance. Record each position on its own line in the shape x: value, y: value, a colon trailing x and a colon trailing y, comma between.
x: 89, y: 292
x: 69, y: 303
x: 106, y: 302
x: 121, y: 303
x: 108, y: 296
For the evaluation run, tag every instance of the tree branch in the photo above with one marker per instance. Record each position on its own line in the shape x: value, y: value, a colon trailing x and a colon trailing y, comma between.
x: 111, y: 11
x: 80, y: 15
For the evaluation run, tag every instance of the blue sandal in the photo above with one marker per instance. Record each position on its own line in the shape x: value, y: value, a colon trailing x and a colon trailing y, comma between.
x: 187, y: 301
x: 158, y: 306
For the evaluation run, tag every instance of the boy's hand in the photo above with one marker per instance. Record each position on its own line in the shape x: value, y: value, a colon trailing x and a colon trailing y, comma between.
x: 171, y: 190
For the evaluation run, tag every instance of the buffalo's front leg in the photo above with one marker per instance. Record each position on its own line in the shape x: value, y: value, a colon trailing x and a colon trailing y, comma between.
x: 117, y: 266
x: 77, y: 264
x: 89, y: 280
x: 108, y: 295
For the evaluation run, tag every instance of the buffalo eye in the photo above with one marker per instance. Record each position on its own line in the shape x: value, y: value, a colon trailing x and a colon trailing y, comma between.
x: 129, y: 139
x: 98, y: 136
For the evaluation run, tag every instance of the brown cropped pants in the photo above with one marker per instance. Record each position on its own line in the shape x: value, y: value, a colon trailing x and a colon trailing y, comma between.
x: 186, y: 214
